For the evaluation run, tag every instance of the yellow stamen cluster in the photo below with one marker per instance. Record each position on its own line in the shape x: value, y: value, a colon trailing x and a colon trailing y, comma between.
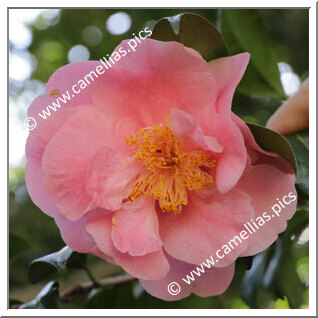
x: 170, y: 171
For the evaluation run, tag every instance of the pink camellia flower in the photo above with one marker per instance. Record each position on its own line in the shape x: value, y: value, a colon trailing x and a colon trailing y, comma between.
x: 148, y: 167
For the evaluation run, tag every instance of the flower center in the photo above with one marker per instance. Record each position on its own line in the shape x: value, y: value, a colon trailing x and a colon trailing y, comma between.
x: 170, y: 170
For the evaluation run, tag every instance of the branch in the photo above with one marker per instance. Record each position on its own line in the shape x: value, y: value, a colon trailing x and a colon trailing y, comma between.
x: 69, y: 293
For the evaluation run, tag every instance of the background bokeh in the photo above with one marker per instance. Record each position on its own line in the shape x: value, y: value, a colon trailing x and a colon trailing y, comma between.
x: 41, y: 41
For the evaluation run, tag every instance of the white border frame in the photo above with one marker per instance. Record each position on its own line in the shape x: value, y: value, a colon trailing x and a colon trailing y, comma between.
x: 312, y: 155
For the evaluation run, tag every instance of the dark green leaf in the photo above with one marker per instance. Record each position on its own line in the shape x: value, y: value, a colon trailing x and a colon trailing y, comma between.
x: 300, y: 145
x: 281, y: 275
x: 243, y: 31
x: 48, y: 298
x: 253, y: 277
x: 17, y: 245
x: 193, y: 31
x: 59, y: 261
x: 271, y: 141
x: 298, y: 222
x: 120, y: 296
x: 274, y: 269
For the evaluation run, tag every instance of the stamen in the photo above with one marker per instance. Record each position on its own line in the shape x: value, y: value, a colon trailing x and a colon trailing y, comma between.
x: 170, y: 171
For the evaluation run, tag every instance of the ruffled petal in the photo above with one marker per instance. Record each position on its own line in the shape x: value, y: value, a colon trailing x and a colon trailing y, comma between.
x: 108, y: 177
x: 36, y: 143
x: 135, y: 227
x: 150, y: 266
x: 213, y: 281
x: 145, y: 85
x: 250, y: 142
x: 205, y: 226
x: 267, y: 186
x: 67, y: 156
x: 69, y: 75
x: 99, y: 226
x: 228, y: 72
x: 185, y: 127
x: 75, y: 235
x: 231, y: 163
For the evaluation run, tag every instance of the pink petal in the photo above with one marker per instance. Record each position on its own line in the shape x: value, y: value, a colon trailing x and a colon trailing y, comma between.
x: 215, y: 281
x: 150, y: 266
x: 67, y: 156
x: 229, y: 140
x: 108, y: 176
x: 250, y: 142
x: 135, y: 227
x: 231, y: 163
x: 228, y: 72
x: 75, y: 235
x: 146, y: 84
x: 99, y: 228
x: 36, y: 143
x: 185, y: 127
x: 212, y: 282
x: 265, y: 184
x: 61, y: 80
x: 159, y: 288
x: 205, y: 225
x: 257, y: 154
x: 65, y: 77
x: 36, y: 189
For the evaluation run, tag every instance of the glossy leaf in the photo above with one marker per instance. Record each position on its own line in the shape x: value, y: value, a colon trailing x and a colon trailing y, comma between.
x: 281, y: 275
x: 253, y: 277
x: 275, y: 269
x: 243, y: 31
x: 56, y: 262
x: 48, y: 298
x: 193, y: 31
x: 272, y: 141
x: 300, y: 144
x: 282, y: 304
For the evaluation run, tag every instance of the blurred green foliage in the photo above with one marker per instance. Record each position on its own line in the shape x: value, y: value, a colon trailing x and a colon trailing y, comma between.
x: 276, y: 278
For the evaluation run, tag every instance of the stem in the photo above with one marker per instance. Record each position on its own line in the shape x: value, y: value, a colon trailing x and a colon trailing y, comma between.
x: 69, y: 293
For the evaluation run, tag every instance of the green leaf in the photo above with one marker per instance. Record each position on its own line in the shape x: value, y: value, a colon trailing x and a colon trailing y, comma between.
x: 272, y: 141
x: 282, y: 304
x: 238, y: 303
x: 243, y: 31
x: 132, y: 295
x: 193, y: 31
x: 48, y: 298
x: 120, y: 296
x: 275, y: 269
x: 56, y: 262
x: 17, y: 246
x: 253, y: 277
x: 300, y: 144
x: 281, y: 275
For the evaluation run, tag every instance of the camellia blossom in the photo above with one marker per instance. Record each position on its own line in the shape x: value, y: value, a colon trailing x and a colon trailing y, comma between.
x: 148, y: 168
